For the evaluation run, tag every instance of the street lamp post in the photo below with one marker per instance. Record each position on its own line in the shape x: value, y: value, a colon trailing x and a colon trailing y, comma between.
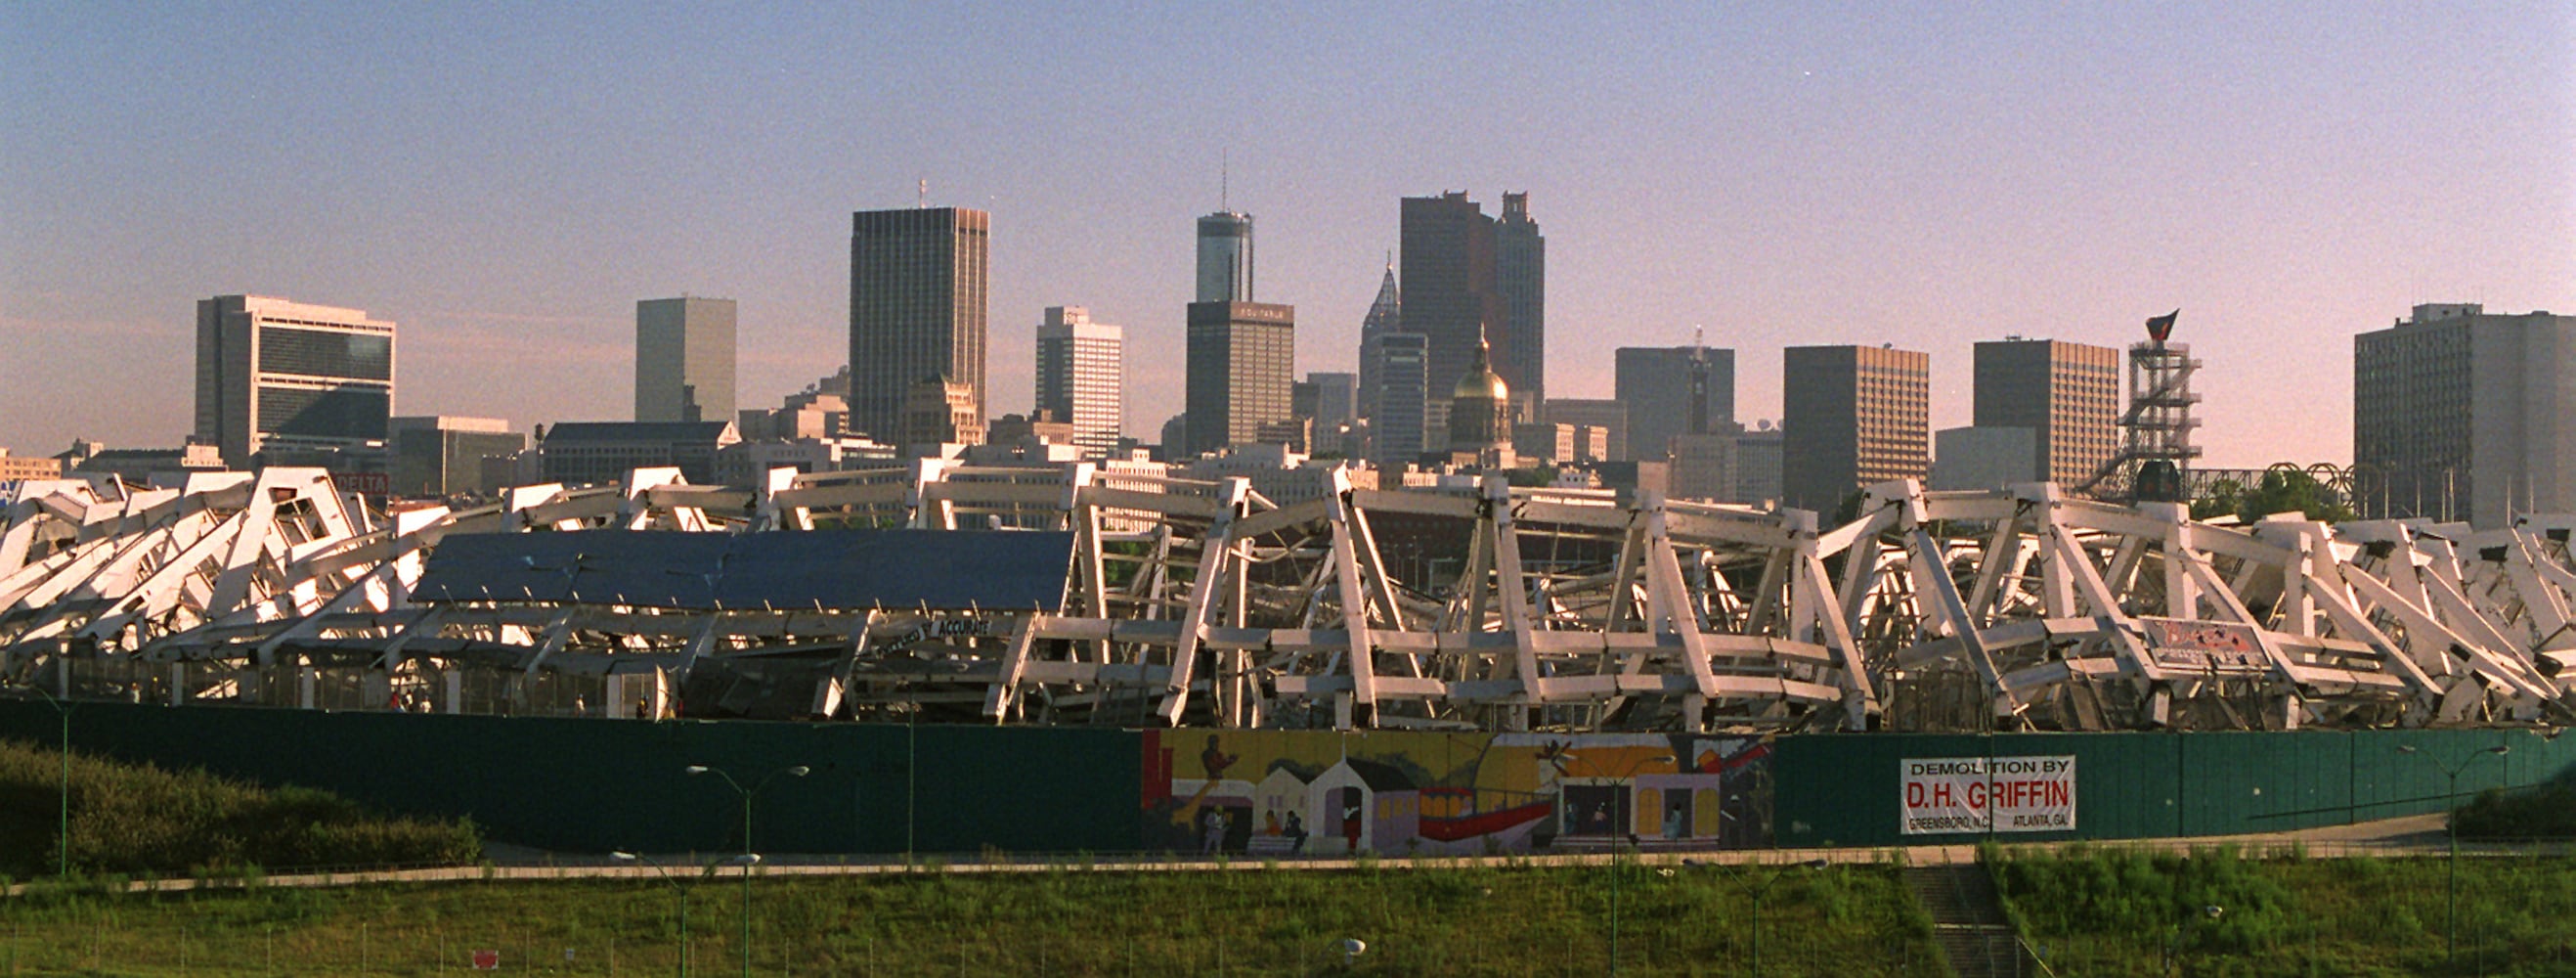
x: 676, y: 887
x: 748, y: 859
x: 2451, y: 827
x: 1625, y: 782
x: 1757, y: 893
x: 63, y: 848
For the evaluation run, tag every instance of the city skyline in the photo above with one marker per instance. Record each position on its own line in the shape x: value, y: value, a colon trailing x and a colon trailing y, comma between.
x: 1928, y: 178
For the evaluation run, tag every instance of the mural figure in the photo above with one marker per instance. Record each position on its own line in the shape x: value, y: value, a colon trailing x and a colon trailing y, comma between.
x: 1214, y: 842
x: 1296, y: 833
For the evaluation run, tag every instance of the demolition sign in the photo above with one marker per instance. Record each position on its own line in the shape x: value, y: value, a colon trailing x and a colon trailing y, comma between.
x: 1982, y: 794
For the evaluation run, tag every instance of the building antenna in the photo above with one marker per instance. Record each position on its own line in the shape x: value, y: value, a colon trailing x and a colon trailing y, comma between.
x: 1225, y: 179
x: 923, y: 202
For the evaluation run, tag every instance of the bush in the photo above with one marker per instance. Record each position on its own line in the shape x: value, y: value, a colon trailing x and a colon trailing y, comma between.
x: 2546, y: 812
x: 135, y: 819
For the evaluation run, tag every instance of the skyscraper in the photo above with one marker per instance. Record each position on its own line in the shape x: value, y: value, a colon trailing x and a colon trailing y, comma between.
x: 917, y: 310
x: 1520, y: 273
x: 2463, y: 414
x: 1225, y: 257
x: 1385, y: 316
x: 1855, y: 415
x: 2067, y: 394
x: 1397, y: 432
x: 1450, y: 294
x: 1081, y: 368
x: 1241, y: 364
x: 1329, y: 398
x: 276, y: 375
x: 684, y: 359
x: 1673, y: 390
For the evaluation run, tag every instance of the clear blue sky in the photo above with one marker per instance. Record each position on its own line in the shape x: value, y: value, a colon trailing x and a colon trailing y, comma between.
x: 506, y: 180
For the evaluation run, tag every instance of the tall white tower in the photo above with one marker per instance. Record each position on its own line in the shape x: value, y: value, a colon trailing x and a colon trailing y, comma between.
x: 1081, y: 374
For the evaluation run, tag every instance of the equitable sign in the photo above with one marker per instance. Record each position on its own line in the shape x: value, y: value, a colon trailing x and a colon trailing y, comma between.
x: 1981, y: 794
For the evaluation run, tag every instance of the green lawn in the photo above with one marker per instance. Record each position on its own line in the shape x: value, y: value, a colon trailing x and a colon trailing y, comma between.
x: 1437, y: 920
x: 2104, y: 912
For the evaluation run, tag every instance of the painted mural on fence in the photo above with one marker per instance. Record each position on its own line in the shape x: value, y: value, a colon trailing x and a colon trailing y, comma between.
x: 1271, y: 793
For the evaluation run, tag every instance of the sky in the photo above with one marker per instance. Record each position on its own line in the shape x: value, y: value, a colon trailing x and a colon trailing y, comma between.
x: 506, y: 180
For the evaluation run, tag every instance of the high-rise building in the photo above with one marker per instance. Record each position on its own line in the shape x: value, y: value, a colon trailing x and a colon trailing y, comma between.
x: 1451, y: 292
x: 1332, y: 399
x: 917, y: 310
x: 1610, y: 417
x: 1673, y: 390
x: 2067, y: 394
x: 275, y: 375
x: 1520, y: 273
x: 1081, y: 368
x: 439, y: 455
x: 1241, y: 363
x: 1398, y: 430
x: 684, y: 359
x: 2463, y: 414
x: 1385, y: 316
x: 1855, y: 415
x: 1225, y: 257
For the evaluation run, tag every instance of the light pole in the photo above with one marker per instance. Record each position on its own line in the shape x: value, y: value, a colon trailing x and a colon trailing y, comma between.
x: 676, y: 887
x: 63, y: 849
x: 2451, y: 827
x: 749, y: 859
x: 1757, y: 893
x: 1625, y: 782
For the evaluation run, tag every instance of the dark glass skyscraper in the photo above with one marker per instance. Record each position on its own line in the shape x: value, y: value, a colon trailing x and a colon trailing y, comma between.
x: 1450, y: 296
x: 917, y: 309
x: 1384, y: 316
x: 1520, y: 272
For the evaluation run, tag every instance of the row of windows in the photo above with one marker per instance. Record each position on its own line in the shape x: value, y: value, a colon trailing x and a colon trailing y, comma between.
x: 320, y: 353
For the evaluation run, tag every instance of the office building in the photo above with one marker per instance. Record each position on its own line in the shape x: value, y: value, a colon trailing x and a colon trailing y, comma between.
x: 1855, y: 415
x: 1385, y: 316
x: 1703, y: 467
x: 940, y: 415
x: 442, y: 455
x: 1241, y: 361
x: 280, y: 376
x: 1983, y: 458
x: 1453, y: 292
x: 1082, y: 376
x: 14, y: 468
x: 1676, y: 390
x: 684, y: 359
x: 2067, y: 394
x: 1332, y: 399
x: 1520, y: 274
x: 588, y: 453
x: 2462, y: 414
x: 1758, y: 452
x: 1225, y: 257
x: 917, y: 310
x: 1397, y: 432
x: 1610, y: 417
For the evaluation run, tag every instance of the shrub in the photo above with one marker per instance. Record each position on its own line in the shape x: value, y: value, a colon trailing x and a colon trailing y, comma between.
x: 137, y: 818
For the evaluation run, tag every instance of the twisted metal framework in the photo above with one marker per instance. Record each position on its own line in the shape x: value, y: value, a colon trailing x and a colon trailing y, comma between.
x: 1473, y: 606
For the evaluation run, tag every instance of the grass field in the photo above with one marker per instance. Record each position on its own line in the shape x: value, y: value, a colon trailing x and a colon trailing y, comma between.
x: 1415, y: 921
x: 2117, y: 912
